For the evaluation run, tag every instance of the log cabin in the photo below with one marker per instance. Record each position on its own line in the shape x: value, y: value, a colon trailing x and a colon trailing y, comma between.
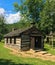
x: 25, y: 39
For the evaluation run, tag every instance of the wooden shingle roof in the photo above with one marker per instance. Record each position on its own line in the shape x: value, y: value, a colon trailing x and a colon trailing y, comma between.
x: 18, y: 32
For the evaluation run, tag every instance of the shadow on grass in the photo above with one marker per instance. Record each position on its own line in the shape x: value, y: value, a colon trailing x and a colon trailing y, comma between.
x: 9, y: 62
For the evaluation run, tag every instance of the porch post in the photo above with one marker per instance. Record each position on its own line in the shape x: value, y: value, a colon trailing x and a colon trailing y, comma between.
x: 8, y: 40
x: 12, y: 41
x: 52, y: 41
x: 42, y: 42
x: 5, y: 41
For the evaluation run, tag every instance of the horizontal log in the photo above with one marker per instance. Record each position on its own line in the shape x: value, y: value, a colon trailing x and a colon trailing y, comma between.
x: 25, y: 40
x: 25, y: 46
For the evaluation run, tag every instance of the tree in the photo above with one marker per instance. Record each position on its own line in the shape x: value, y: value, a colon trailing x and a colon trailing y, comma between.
x: 47, y: 17
x: 3, y: 28
x: 31, y: 8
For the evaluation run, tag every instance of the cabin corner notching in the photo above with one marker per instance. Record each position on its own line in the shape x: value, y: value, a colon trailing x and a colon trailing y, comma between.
x: 25, y: 39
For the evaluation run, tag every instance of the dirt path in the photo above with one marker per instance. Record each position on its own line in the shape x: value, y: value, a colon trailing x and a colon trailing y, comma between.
x: 39, y: 54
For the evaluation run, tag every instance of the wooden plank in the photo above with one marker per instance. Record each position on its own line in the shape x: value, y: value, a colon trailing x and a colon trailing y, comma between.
x: 18, y: 40
x: 25, y: 40
x: 25, y: 37
x: 35, y: 35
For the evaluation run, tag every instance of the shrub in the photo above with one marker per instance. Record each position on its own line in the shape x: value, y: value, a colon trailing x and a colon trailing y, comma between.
x: 3, y: 41
x: 1, y: 36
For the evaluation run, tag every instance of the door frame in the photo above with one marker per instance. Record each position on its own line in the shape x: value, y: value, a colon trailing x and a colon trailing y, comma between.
x: 38, y: 43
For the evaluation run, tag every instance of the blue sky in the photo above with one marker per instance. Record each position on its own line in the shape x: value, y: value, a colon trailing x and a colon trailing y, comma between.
x: 8, y: 4
x: 7, y: 10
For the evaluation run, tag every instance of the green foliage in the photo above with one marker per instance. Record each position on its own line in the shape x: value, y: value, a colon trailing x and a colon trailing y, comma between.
x: 34, y: 8
x: 1, y: 36
x: 3, y: 28
x: 31, y: 8
x: 18, y: 25
x: 2, y: 41
x: 47, y: 17
x: 49, y: 49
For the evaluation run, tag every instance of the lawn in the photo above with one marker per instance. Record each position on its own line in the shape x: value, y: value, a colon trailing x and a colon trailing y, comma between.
x: 49, y: 49
x: 8, y: 59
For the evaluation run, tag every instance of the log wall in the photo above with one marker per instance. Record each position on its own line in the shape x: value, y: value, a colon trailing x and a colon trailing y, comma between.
x: 18, y: 42
x: 25, y: 45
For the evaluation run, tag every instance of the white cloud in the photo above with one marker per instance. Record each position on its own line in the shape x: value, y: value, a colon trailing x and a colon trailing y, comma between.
x: 13, y: 18
x: 10, y: 18
x: 2, y: 11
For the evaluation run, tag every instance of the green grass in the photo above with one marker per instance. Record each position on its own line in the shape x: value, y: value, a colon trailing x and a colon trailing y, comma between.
x: 49, y: 49
x: 8, y: 59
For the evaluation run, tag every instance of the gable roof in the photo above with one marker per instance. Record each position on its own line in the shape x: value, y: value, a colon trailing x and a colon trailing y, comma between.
x: 19, y: 31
